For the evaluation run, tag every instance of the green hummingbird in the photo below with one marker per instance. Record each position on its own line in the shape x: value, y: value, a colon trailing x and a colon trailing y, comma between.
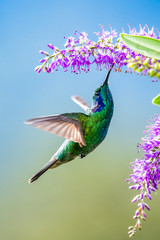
x: 83, y: 132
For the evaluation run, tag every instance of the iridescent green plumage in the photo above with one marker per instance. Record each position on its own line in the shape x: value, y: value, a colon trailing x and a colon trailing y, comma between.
x: 84, y: 132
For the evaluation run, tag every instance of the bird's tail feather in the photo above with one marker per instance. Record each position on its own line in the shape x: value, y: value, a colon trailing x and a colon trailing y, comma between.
x: 42, y: 170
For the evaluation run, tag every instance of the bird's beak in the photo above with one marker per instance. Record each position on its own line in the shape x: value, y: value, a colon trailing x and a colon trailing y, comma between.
x: 107, y: 77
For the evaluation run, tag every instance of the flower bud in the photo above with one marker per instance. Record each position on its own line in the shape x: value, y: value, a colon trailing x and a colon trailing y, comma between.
x: 146, y: 61
x: 152, y: 72
x: 44, y: 53
x: 132, y: 65
x: 140, y: 69
x: 135, y: 199
x: 51, y: 46
x: 147, y: 206
x: 138, y: 58
x: 158, y: 75
x: 139, y: 224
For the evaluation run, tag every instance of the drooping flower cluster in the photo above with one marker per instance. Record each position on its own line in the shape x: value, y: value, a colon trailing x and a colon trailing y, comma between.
x: 80, y: 53
x: 146, y: 172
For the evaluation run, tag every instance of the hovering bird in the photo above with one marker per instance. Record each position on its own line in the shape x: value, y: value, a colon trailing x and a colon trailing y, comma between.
x: 83, y: 132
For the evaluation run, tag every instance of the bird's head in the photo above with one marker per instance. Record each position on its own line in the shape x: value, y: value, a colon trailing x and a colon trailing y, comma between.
x: 101, y: 94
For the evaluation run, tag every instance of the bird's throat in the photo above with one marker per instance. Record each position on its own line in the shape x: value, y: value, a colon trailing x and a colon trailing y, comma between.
x: 98, y: 105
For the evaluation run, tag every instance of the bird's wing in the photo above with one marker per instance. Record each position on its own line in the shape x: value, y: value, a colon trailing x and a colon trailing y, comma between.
x: 60, y: 125
x: 81, y: 103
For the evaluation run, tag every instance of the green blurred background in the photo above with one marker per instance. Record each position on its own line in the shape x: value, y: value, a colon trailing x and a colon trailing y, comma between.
x: 86, y: 199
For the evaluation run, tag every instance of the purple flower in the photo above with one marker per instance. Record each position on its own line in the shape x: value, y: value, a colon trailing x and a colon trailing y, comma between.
x: 51, y: 46
x: 80, y: 53
x: 146, y: 170
x: 44, y: 53
x: 42, y: 60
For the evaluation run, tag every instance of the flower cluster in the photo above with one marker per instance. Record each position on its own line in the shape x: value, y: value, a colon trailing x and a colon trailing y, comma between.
x: 146, y: 171
x: 79, y: 53
x: 145, y: 65
x: 140, y: 63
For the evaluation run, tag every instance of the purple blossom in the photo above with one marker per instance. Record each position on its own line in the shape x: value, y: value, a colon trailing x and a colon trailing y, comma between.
x: 80, y: 53
x: 51, y: 46
x: 44, y: 53
x: 146, y: 170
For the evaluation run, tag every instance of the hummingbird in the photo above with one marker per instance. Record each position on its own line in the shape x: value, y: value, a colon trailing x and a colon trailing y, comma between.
x: 83, y: 131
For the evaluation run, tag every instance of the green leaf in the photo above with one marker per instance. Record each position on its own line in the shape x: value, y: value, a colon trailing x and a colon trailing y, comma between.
x: 146, y: 46
x: 156, y: 100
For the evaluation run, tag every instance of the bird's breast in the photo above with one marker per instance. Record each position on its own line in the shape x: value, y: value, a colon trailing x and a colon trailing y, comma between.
x: 96, y: 128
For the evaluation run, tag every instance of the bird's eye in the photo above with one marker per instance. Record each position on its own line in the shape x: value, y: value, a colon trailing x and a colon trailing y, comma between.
x: 97, y: 93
